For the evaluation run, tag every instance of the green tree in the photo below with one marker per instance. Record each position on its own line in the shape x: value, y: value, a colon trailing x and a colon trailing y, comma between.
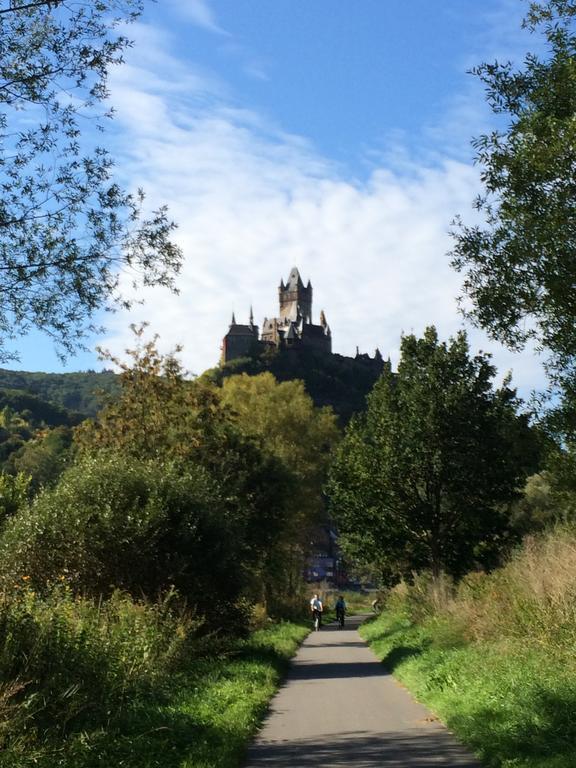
x: 44, y: 457
x: 14, y: 491
x: 283, y: 417
x: 425, y: 478
x: 67, y: 230
x: 288, y: 427
x: 520, y: 265
x: 160, y: 415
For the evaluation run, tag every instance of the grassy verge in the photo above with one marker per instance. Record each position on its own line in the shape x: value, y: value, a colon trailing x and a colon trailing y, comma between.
x: 512, y: 700
x: 199, y: 715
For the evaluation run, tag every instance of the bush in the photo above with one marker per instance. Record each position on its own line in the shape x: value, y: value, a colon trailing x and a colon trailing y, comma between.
x: 143, y: 527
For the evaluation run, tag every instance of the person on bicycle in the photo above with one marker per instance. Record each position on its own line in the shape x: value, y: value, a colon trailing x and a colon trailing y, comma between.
x: 317, y: 608
x: 340, y: 610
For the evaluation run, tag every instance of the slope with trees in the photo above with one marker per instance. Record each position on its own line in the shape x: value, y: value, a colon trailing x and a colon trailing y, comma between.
x: 82, y: 392
x: 331, y: 380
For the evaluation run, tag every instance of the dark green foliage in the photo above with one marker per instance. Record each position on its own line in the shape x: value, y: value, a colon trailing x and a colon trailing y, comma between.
x: 43, y: 458
x: 334, y: 380
x: 37, y: 412
x: 35, y: 436
x: 425, y: 477
x: 141, y: 526
x: 81, y: 393
x: 67, y: 229
x: 14, y: 492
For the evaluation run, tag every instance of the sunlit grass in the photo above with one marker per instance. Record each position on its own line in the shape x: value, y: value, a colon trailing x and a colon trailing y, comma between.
x: 115, y: 686
x: 508, y: 691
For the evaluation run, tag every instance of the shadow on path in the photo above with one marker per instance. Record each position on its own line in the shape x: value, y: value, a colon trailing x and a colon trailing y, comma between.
x: 424, y: 749
x: 306, y: 671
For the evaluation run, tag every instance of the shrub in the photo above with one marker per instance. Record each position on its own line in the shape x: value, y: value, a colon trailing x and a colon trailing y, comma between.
x: 119, y: 522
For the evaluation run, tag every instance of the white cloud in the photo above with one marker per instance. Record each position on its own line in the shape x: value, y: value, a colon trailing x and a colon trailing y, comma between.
x: 252, y: 202
x: 199, y: 12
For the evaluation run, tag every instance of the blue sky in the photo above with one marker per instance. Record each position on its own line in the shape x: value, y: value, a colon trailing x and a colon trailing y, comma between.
x: 332, y: 135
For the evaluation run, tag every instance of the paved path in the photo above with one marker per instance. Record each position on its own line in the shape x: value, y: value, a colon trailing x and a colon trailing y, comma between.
x: 338, y: 707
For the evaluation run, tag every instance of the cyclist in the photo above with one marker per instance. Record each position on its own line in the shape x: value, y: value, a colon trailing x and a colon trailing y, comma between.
x: 340, y: 610
x: 316, y: 607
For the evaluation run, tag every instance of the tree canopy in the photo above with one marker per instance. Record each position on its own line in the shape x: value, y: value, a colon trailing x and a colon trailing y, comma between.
x: 520, y: 264
x: 68, y: 231
x: 424, y: 478
x: 261, y: 446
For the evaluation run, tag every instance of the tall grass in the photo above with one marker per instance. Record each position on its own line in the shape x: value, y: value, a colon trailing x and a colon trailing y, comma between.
x: 128, y: 683
x: 494, y: 655
x: 68, y: 663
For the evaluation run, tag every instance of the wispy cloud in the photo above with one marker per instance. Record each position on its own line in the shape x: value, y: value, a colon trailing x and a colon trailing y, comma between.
x: 199, y: 12
x: 253, y: 201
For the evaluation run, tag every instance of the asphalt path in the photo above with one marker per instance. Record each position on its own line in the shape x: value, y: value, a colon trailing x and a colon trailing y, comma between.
x: 339, y: 707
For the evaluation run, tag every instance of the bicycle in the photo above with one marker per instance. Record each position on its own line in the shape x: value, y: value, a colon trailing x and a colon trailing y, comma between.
x: 317, y: 615
x: 340, y: 618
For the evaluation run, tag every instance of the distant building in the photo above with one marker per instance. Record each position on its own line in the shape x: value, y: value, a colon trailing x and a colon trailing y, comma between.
x: 292, y: 329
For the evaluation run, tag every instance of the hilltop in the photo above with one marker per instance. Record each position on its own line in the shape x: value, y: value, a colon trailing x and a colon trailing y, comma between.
x: 77, y: 392
x: 334, y: 380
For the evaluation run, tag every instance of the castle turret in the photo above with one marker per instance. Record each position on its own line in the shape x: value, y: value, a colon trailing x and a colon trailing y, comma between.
x: 241, y: 340
x: 295, y: 298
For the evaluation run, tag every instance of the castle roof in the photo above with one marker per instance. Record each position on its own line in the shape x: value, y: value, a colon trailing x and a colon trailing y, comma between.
x: 294, y: 281
x: 243, y: 330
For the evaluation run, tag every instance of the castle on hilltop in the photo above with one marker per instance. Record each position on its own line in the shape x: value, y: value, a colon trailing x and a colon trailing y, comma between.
x: 293, y: 329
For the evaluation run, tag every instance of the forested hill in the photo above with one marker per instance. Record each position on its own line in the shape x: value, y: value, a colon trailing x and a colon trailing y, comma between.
x: 335, y: 380
x: 76, y: 392
x: 37, y: 411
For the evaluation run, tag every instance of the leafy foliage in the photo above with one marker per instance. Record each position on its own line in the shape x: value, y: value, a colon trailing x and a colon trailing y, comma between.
x: 14, y: 491
x: 520, y: 266
x: 67, y: 229
x: 282, y: 417
x: 144, y: 527
x: 162, y: 416
x: 425, y: 477
x: 35, y: 437
x: 330, y: 380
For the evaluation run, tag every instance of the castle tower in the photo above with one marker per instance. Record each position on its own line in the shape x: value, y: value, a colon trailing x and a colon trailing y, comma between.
x: 295, y: 299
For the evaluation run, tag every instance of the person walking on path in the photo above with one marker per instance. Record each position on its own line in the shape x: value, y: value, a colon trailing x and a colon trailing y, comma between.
x: 339, y: 707
x: 317, y: 609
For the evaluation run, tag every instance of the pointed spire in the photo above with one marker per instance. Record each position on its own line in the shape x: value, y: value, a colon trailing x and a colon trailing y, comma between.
x: 357, y: 351
x: 378, y: 355
x: 233, y: 319
x: 251, y: 315
x: 323, y: 322
x: 294, y: 279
